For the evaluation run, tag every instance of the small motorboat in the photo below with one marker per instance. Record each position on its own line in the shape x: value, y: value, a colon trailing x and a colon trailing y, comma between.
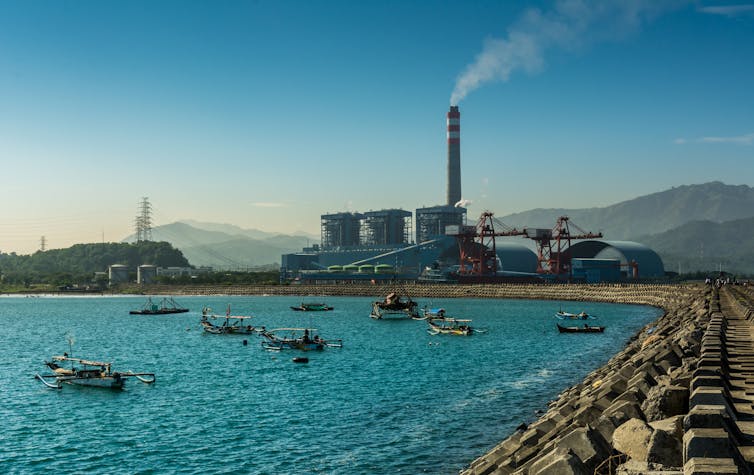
x: 87, y: 373
x: 583, y: 329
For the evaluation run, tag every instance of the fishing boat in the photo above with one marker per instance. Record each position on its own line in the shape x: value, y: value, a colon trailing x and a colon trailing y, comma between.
x: 394, y: 306
x: 166, y: 305
x: 296, y: 339
x: 83, y: 372
x: 449, y: 326
x: 573, y: 316
x: 429, y: 313
x: 235, y: 324
x: 577, y: 329
x: 312, y: 307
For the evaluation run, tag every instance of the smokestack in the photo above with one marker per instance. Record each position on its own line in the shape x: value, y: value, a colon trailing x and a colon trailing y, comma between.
x: 454, y: 156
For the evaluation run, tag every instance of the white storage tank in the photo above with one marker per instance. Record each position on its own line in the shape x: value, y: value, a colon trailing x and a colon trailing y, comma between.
x: 146, y: 273
x: 117, y: 274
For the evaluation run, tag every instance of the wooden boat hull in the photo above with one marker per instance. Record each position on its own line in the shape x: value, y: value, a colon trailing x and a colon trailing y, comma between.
x: 109, y: 382
x: 235, y: 330
x: 381, y: 313
x: 158, y: 312
x: 292, y: 345
x: 450, y: 330
x: 584, y: 329
x: 305, y: 308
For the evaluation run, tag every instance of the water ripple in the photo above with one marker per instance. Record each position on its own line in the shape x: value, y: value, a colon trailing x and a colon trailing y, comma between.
x: 393, y: 400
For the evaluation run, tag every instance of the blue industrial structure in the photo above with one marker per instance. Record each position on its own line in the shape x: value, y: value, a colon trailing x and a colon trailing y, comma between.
x: 635, y: 260
x: 380, y: 245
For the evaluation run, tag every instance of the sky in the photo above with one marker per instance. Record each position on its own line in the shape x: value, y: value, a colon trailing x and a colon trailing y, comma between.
x: 267, y: 114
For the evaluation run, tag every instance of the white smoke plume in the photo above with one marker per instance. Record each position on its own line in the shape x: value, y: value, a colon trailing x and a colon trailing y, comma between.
x: 463, y: 203
x: 571, y: 25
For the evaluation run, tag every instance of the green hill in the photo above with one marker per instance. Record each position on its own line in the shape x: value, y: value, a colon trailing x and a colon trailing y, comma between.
x: 81, y: 261
x: 705, y: 246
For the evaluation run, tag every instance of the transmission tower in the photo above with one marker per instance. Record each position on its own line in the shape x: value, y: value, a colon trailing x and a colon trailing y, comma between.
x: 144, y: 221
x: 42, y: 244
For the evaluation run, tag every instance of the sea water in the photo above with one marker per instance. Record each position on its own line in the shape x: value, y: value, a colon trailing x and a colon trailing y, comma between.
x: 393, y: 399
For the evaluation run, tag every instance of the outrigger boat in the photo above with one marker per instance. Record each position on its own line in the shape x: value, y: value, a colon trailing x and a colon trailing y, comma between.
x: 236, y: 324
x: 573, y: 316
x: 88, y: 373
x: 449, y: 326
x: 312, y: 307
x: 393, y: 306
x: 585, y: 329
x: 296, y: 339
x: 166, y: 305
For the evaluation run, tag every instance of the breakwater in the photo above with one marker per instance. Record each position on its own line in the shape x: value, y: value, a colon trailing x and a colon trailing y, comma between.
x: 659, y: 295
x: 677, y: 399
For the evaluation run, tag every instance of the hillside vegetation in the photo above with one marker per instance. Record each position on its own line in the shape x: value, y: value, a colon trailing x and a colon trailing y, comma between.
x: 78, y: 263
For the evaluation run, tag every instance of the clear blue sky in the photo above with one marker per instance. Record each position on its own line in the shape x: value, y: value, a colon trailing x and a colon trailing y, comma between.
x: 267, y: 114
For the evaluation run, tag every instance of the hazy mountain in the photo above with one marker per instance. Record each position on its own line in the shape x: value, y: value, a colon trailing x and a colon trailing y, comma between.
x: 706, y: 245
x: 225, y: 245
x: 650, y: 214
x: 234, y: 230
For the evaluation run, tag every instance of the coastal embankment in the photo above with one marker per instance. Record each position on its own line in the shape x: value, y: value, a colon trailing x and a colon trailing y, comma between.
x: 659, y: 295
x: 679, y: 398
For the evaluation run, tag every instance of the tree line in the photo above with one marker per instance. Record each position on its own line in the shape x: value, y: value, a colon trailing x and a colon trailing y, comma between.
x: 78, y: 263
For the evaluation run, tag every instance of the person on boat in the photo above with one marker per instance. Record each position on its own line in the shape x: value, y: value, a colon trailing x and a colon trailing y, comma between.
x: 306, y: 339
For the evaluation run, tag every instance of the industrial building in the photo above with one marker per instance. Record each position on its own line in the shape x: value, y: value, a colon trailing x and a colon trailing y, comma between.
x: 384, y: 244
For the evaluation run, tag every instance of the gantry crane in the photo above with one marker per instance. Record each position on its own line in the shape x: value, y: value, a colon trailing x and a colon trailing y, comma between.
x: 557, y: 261
x: 478, y: 253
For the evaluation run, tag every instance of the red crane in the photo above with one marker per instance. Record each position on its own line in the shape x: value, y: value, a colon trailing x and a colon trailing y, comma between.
x: 556, y: 261
x: 478, y: 254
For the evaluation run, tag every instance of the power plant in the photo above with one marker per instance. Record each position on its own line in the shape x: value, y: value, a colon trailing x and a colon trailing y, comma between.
x: 438, y: 245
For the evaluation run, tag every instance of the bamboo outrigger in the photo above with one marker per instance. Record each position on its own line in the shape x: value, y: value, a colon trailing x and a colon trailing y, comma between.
x: 88, y: 373
x: 235, y: 324
x: 296, y: 339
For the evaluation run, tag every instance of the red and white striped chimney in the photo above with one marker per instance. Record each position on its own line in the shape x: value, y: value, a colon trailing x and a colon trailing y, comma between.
x: 454, y: 156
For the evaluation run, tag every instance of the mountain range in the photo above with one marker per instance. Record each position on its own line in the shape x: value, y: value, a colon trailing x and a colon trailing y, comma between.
x: 701, y: 227
x: 692, y: 227
x: 226, y: 246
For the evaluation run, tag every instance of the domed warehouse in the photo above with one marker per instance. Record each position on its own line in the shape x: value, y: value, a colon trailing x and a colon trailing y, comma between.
x: 611, y: 261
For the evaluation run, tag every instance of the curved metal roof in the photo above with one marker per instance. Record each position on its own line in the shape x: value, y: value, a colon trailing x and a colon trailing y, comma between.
x: 649, y: 262
x: 516, y: 257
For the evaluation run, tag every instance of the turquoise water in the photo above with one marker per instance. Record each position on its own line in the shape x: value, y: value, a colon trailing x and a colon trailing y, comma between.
x: 394, y: 399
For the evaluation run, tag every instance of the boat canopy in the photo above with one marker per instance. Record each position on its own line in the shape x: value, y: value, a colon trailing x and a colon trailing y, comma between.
x: 80, y: 361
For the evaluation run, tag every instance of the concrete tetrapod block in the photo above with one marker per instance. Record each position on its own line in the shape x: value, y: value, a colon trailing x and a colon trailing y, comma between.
x: 632, y: 438
x: 559, y: 462
x: 666, y: 448
x: 710, y: 466
x: 665, y: 401
x: 588, y: 445
x: 708, y: 443
x: 706, y: 395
